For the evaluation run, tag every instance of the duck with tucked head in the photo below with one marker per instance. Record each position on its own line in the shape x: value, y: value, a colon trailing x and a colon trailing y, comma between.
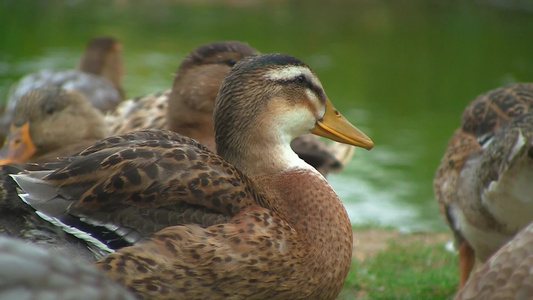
x: 98, y: 77
x: 256, y: 222
x: 50, y: 122
x: 483, y: 183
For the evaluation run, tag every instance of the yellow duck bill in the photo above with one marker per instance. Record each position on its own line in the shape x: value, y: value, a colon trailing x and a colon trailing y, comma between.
x: 335, y: 127
x: 18, y: 146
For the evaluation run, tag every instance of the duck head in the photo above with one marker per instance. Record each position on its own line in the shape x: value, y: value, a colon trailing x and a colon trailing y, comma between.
x: 272, y: 99
x: 103, y: 57
x: 196, y: 84
x: 48, y: 118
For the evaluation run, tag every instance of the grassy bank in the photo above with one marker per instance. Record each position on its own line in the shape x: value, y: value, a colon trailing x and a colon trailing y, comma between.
x: 390, y: 265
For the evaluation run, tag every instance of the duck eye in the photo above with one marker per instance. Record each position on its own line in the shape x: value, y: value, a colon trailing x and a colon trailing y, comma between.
x: 49, y: 110
x: 300, y: 79
x: 230, y: 62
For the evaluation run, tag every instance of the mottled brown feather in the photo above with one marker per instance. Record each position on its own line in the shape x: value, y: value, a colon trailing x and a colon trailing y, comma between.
x: 496, y: 107
x: 279, y: 232
x: 187, y: 108
x: 478, y: 154
x: 19, y: 220
x: 507, y: 274
x: 151, y: 179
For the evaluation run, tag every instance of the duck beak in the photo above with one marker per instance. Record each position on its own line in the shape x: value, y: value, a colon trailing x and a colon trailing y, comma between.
x: 335, y: 127
x: 18, y: 147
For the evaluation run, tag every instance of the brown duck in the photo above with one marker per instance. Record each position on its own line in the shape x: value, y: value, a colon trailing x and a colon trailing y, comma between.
x: 187, y: 108
x: 255, y: 222
x: 507, y: 274
x: 483, y: 183
x: 50, y: 122
x: 98, y: 77
x: 38, y: 136
x: 191, y: 104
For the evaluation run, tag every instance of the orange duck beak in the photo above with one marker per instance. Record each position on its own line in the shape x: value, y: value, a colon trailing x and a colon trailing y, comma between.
x: 335, y: 127
x: 18, y: 147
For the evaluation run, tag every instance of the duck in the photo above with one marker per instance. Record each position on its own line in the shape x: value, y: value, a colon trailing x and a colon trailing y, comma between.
x: 50, y: 122
x: 20, y: 221
x: 482, y: 184
x: 45, y: 120
x: 98, y: 76
x: 38, y: 135
x: 197, y: 82
x: 35, y: 273
x: 187, y: 108
x: 253, y: 221
x: 506, y: 275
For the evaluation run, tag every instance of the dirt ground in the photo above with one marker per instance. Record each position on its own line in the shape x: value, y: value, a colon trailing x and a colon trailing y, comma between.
x: 367, y: 242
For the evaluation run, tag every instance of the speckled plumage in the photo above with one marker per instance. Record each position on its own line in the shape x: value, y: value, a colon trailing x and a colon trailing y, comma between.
x: 19, y: 220
x: 146, y: 112
x: 246, y: 231
x: 144, y: 181
x: 482, y: 182
x: 187, y: 108
x: 507, y: 274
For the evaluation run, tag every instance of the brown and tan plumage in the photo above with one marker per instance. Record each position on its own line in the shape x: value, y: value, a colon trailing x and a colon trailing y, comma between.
x: 507, y: 274
x: 483, y: 181
x: 40, y: 136
x: 19, y: 220
x: 187, y: 108
x: 98, y: 77
x: 255, y: 222
x: 103, y: 57
x: 50, y: 122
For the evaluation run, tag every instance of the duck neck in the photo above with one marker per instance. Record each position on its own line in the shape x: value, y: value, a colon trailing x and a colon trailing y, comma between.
x: 260, y: 152
x: 298, y: 188
x: 109, y: 66
x: 191, y: 122
x: 297, y: 193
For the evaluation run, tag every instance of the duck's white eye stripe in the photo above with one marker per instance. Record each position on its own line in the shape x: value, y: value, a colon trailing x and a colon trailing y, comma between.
x: 290, y: 73
x: 312, y: 96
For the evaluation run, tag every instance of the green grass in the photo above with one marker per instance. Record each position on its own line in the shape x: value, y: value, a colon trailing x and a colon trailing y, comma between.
x: 412, y: 271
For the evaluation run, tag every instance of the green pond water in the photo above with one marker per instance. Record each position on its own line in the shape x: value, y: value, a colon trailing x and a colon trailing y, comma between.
x: 402, y: 71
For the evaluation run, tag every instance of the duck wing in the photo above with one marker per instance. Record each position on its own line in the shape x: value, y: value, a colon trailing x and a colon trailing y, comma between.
x: 127, y: 187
